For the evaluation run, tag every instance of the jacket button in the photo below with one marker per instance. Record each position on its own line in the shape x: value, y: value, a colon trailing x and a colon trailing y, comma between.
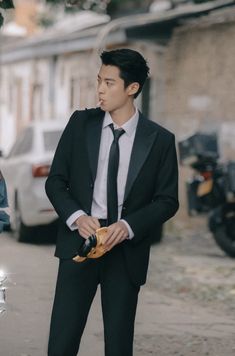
x: 91, y: 185
x: 123, y: 208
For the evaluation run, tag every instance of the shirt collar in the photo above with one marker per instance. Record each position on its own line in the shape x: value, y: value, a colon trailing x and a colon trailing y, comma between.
x: 129, y: 126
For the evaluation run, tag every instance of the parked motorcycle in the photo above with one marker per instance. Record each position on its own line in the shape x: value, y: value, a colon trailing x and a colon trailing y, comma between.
x: 212, y: 187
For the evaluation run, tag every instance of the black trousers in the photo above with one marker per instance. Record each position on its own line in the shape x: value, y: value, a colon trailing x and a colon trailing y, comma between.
x: 76, y: 287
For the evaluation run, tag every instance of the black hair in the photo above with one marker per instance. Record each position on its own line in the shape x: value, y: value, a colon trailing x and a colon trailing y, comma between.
x: 132, y: 65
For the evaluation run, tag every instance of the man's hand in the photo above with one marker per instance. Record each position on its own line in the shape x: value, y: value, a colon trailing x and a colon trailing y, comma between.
x: 87, y: 225
x: 116, y: 233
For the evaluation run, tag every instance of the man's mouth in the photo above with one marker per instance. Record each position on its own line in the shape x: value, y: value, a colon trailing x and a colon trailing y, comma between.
x: 100, y: 102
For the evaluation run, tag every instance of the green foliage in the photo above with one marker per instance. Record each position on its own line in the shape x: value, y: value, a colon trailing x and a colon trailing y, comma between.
x: 1, y: 19
x: 99, y: 6
x: 5, y: 4
x: 55, y: 2
x: 104, y: 6
x: 201, y: 1
x: 127, y: 6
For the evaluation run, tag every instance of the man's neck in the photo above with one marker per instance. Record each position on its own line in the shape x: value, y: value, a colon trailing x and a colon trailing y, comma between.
x: 122, y: 115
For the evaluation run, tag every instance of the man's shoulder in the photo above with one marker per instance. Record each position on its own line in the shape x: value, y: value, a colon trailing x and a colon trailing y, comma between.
x: 154, y: 126
x: 164, y: 130
x: 80, y: 118
x: 87, y: 114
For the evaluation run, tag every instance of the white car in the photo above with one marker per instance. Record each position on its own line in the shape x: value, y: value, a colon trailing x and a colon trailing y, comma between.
x: 25, y: 170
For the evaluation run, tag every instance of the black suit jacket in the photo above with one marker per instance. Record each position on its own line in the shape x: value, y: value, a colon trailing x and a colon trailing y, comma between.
x: 151, y: 192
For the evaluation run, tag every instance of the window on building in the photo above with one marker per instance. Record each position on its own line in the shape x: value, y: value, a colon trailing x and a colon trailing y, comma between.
x: 10, y: 96
x: 18, y: 104
x: 37, y: 101
x: 86, y: 94
x: 74, y: 93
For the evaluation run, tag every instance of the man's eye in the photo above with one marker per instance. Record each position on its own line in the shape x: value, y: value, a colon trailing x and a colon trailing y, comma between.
x: 109, y: 84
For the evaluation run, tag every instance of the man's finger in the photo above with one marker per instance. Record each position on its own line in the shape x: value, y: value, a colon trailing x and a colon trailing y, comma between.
x: 86, y: 230
x: 117, y: 241
x: 84, y: 234
x: 110, y: 232
x: 96, y: 222
x: 92, y: 224
x: 117, y: 234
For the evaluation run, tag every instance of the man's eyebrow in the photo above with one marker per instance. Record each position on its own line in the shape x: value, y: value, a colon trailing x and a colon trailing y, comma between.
x: 109, y: 79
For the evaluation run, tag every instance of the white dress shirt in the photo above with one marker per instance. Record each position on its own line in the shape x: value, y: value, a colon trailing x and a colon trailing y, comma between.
x: 99, y: 202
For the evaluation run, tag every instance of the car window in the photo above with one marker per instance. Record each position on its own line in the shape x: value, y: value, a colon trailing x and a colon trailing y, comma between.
x: 23, y: 144
x: 51, y: 139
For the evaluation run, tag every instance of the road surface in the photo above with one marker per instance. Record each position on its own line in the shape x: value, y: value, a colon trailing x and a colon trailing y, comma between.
x: 187, y: 308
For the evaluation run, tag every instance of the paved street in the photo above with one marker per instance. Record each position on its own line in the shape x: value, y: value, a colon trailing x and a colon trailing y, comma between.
x: 187, y: 307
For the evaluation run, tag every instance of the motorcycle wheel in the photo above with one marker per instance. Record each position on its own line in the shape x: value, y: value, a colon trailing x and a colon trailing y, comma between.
x: 224, y: 234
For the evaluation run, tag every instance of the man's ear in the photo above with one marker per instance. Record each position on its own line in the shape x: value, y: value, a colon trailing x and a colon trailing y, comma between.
x: 133, y: 88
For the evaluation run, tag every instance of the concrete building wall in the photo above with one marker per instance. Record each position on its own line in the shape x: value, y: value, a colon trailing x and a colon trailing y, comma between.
x: 200, y: 82
x: 42, y: 89
x: 200, y: 87
x: 14, y: 101
x: 25, y: 97
x: 75, y: 83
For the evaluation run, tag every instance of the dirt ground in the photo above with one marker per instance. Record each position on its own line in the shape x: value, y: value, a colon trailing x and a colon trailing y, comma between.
x: 186, y: 308
x: 193, y: 282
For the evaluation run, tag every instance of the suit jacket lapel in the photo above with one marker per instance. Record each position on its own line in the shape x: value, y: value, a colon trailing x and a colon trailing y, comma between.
x: 94, y: 128
x: 144, y: 138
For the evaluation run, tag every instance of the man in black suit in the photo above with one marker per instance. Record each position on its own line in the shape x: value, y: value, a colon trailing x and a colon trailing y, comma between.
x: 87, y: 194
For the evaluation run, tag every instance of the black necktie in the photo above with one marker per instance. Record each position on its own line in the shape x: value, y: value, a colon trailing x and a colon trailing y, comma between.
x: 112, y: 196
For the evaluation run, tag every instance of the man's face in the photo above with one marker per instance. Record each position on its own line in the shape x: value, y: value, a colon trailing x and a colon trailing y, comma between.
x: 111, y: 92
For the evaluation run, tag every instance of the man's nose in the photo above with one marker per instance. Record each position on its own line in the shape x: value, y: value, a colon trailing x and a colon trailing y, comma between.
x: 101, y: 88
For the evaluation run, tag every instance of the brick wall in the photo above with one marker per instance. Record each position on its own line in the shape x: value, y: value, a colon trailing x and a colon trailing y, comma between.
x: 200, y: 86
x: 200, y: 72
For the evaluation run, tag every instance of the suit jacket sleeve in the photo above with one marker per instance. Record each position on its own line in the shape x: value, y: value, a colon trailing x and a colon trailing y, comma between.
x: 164, y: 203
x: 57, y: 184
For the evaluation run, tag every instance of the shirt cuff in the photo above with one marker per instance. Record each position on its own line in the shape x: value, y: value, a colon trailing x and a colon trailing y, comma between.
x: 71, y: 220
x: 131, y: 233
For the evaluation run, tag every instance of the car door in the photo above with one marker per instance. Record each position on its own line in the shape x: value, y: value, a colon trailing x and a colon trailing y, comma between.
x: 15, y: 164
